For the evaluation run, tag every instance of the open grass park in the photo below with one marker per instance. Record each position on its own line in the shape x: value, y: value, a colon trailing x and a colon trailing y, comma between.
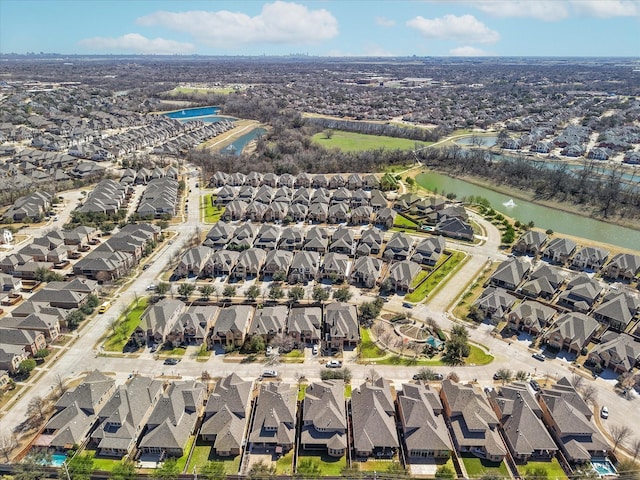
x: 210, y: 213
x: 357, y: 142
x: 125, y: 326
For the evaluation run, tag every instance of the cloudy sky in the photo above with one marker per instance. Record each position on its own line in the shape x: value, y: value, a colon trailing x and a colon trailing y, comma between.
x: 323, y: 27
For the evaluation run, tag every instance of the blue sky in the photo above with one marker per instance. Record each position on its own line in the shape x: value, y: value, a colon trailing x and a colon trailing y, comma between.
x: 323, y: 27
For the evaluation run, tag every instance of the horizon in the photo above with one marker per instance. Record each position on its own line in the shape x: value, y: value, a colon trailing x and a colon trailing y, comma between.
x: 324, y: 28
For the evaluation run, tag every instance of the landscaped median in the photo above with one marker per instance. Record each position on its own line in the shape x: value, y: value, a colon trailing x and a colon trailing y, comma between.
x: 125, y: 325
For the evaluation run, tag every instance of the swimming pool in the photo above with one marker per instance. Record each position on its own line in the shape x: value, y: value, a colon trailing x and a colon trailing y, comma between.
x: 603, y: 467
x: 57, y: 459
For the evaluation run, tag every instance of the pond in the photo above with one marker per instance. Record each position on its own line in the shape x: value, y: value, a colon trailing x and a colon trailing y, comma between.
x: 543, y: 217
x: 487, y: 140
x: 193, y: 112
x: 238, y: 145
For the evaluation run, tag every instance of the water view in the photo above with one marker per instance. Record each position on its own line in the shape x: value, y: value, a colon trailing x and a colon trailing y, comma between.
x: 193, y: 112
x: 543, y: 217
x: 238, y: 145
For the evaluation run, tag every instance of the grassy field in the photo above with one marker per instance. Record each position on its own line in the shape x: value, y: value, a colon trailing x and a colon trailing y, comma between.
x: 329, y: 466
x: 403, y: 222
x: 410, y: 361
x: 200, y: 91
x: 478, y: 356
x: 369, y: 349
x: 436, y: 278
x: 553, y: 468
x: 477, y: 467
x: 125, y: 327
x: 357, y: 142
x: 203, y: 453
x: 211, y: 213
x: 284, y: 465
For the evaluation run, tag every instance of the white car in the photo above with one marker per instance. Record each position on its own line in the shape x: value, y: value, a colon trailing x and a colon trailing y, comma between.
x: 269, y: 374
x: 315, y: 349
x: 334, y: 364
x: 151, y: 287
x: 604, y: 412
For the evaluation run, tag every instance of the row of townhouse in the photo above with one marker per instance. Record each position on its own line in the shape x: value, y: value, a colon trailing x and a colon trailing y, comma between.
x: 334, y: 325
x: 352, y: 181
x: 160, y: 197
x: 145, y: 175
x: 565, y: 251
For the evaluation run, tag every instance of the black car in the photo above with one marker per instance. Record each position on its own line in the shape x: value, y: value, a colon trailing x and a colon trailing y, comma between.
x: 535, y: 385
x: 171, y: 361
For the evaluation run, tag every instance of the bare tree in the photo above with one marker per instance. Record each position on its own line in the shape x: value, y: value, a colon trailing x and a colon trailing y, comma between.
x: 36, y: 407
x: 378, y: 329
x: 432, y: 324
x: 62, y: 387
x: 619, y: 433
x: 453, y: 376
x: 635, y: 448
x: 373, y: 375
x: 577, y: 381
x: 7, y: 444
x: 590, y: 394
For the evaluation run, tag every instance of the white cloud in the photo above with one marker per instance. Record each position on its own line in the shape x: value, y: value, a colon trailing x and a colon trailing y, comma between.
x: 554, y: 10
x: 549, y: 10
x: 385, y: 22
x: 465, y: 28
x: 278, y: 22
x: 136, y: 43
x: 467, y: 51
x: 607, y: 8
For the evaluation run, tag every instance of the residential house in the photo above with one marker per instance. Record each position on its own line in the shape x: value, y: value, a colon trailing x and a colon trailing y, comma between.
x: 370, y: 182
x: 274, y: 421
x: 455, y: 228
x: 193, y: 261
x: 424, y: 430
x: 366, y: 271
x: 559, y: 250
x: 221, y: 263
x: 318, y: 212
x: 521, y: 418
x: 510, y: 273
x: 173, y: 420
x: 360, y: 198
x: 343, y: 241
x: 47, y: 325
x: 276, y: 212
x: 298, y: 212
x: 11, y: 356
x: 378, y: 201
x: 581, y: 293
x: 291, y: 239
x: 226, y: 414
x: 226, y: 195
x: 235, y: 210
x: 617, y: 311
x: 335, y: 267
x: 370, y: 242
x: 303, y: 325
x: 249, y: 263
x: 269, y: 322
x: 354, y: 181
x: 303, y: 180
x: 399, y: 247
x: 385, y: 217
x: 193, y: 326
x: 31, y: 206
x: 256, y: 211
x: 617, y: 351
x: 590, y: 258
x: 494, y: 302
x: 623, y: 265
x: 232, y: 325
x: 572, y: 331
x: 324, y: 418
x: 361, y: 215
x: 402, y: 274
x: 158, y: 320
x: 317, y: 240
x: 531, y: 242
x: 122, y: 419
x: 530, y: 316
x: 473, y: 423
x: 429, y: 250
x: 76, y: 412
x: 304, y: 267
x: 340, y: 326
x: 277, y: 261
x: 570, y: 421
x: 28, y: 340
x: 373, y: 420
x: 267, y: 237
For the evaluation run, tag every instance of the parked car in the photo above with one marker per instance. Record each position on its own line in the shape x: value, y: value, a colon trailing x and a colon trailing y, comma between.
x: 334, y: 364
x: 407, y: 305
x: 151, y: 287
x: 315, y: 349
x: 604, y: 412
x: 269, y: 374
x: 538, y: 356
x: 171, y: 361
x: 535, y: 385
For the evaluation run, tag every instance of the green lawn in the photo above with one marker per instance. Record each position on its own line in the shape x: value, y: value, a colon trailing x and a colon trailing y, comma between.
x: 553, y: 468
x: 369, y: 349
x: 477, y: 467
x: 372, y: 465
x: 212, y: 213
x: 347, y: 390
x: 419, y: 278
x: 436, y: 278
x: 409, y: 361
x: 101, y: 463
x: 401, y: 221
x: 125, y: 326
x: 203, y: 453
x: 356, y: 142
x: 329, y: 466
x: 478, y: 356
x: 182, y: 461
x: 174, y: 352
x: 301, y: 391
x: 284, y: 465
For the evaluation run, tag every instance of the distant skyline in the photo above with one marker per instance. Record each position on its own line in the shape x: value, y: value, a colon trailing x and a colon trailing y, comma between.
x: 323, y: 27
